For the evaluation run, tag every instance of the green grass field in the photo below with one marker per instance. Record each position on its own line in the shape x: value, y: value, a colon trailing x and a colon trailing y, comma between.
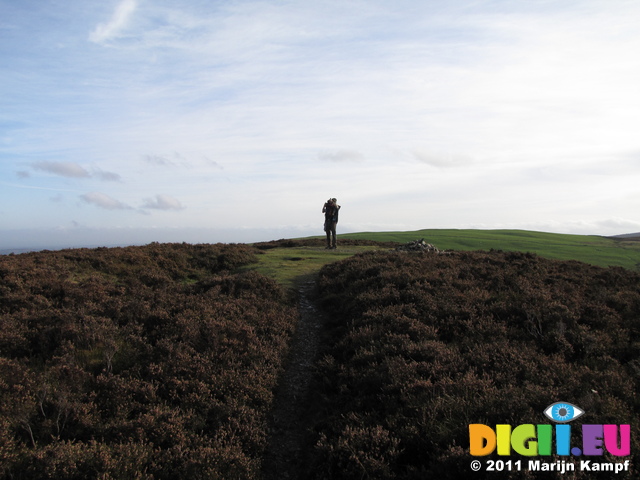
x: 291, y: 264
x: 593, y: 249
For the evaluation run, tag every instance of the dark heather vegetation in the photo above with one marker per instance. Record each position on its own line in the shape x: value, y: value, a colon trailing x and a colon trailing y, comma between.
x: 160, y: 362
x: 138, y: 362
x: 421, y: 345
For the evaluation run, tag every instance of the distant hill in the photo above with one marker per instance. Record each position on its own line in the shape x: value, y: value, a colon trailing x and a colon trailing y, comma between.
x: 627, y: 236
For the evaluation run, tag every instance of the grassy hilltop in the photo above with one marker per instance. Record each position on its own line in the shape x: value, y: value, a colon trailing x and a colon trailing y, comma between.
x: 286, y: 260
x: 593, y: 249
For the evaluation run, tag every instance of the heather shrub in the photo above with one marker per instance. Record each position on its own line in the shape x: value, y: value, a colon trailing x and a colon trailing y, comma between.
x: 139, y: 362
x: 422, y: 345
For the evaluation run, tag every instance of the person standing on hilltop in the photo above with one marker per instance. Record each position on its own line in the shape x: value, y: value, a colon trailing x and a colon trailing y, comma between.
x: 330, y: 210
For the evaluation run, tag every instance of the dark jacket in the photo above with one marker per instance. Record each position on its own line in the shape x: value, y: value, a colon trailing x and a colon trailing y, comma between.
x: 330, y: 211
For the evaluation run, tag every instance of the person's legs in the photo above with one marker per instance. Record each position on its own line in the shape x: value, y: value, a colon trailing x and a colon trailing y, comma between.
x: 333, y: 235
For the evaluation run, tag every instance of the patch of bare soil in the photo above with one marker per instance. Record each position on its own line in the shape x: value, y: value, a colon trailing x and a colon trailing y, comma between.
x: 288, y: 431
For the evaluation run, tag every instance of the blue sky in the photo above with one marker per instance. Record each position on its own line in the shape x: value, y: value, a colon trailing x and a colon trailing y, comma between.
x: 131, y: 121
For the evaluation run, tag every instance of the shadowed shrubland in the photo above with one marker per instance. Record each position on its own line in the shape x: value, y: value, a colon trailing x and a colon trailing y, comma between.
x: 140, y: 362
x: 161, y: 362
x: 422, y: 345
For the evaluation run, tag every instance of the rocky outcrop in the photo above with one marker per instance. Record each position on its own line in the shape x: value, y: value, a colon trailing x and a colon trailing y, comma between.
x: 418, y: 246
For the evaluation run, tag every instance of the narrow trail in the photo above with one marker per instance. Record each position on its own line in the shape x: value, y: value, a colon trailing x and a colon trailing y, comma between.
x: 288, y: 426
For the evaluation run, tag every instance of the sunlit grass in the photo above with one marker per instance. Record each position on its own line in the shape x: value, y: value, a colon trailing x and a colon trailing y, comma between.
x: 592, y: 249
x: 291, y: 265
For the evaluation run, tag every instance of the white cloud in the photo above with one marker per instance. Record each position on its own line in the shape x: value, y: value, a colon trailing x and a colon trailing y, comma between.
x: 107, y: 176
x: 111, y: 29
x: 163, y: 202
x: 622, y: 225
x: 169, y: 160
x: 71, y: 170
x: 448, y: 113
x: 64, y: 169
x: 103, y: 200
x: 340, y: 156
x: 442, y: 160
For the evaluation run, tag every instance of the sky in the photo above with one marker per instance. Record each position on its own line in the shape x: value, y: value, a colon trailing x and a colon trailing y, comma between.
x: 133, y: 121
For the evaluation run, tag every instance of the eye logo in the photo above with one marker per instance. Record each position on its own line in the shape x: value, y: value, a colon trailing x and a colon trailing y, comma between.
x: 563, y: 412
